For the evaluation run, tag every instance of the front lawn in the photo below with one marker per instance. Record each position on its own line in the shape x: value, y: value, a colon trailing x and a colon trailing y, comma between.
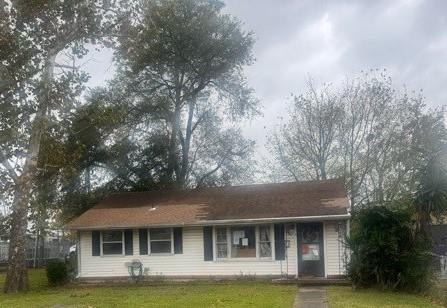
x: 200, y: 294
x: 341, y: 297
x: 196, y: 294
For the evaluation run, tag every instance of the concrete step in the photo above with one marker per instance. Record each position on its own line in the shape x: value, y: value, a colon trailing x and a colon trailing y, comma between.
x: 314, y: 281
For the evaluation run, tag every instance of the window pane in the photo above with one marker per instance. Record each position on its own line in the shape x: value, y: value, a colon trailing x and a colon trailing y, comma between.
x: 243, y: 242
x: 221, y: 234
x: 264, y: 233
x: 265, y: 247
x: 112, y: 248
x: 310, y: 252
x: 310, y: 234
x: 265, y: 250
x: 112, y: 236
x: 222, y: 250
x: 160, y: 234
x: 161, y: 247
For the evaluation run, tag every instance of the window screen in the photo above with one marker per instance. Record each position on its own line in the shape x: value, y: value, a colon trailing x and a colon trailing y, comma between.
x: 160, y: 240
x: 112, y: 242
x: 221, y: 242
x: 265, y: 243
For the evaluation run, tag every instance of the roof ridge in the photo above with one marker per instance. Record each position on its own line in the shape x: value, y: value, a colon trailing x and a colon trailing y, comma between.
x: 223, y: 187
x: 187, y: 206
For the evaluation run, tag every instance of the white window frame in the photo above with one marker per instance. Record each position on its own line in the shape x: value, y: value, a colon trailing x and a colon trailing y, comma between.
x: 149, y: 251
x: 228, y: 241
x: 257, y: 243
x: 272, y: 242
x: 122, y: 244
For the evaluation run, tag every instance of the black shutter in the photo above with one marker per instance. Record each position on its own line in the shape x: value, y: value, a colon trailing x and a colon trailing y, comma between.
x: 208, y: 243
x: 96, y: 243
x: 178, y: 240
x: 143, y: 241
x: 279, y: 242
x: 128, y: 242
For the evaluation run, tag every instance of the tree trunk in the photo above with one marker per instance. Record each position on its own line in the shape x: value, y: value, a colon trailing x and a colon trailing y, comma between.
x: 323, y: 173
x: 187, y: 144
x: 17, y: 275
x: 36, y: 247
x: 87, y: 180
x: 172, y: 159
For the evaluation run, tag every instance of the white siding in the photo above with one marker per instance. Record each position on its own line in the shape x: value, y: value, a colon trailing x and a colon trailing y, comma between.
x: 189, y: 263
x: 334, y: 249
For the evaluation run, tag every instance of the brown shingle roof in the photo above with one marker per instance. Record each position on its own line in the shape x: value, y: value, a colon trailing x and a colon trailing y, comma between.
x: 194, y: 207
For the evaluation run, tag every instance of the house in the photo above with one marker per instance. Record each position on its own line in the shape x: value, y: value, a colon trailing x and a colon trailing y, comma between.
x: 438, y: 232
x: 273, y: 230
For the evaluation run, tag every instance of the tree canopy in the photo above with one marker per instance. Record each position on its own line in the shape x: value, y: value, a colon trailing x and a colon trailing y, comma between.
x: 376, y: 138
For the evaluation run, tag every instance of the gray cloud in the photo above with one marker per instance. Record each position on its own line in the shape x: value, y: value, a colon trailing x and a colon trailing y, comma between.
x: 330, y: 40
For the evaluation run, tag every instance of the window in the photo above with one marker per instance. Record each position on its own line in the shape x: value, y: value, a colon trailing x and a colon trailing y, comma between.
x: 310, y: 239
x: 112, y: 242
x: 265, y: 245
x: 160, y: 240
x: 243, y: 242
x: 221, y: 242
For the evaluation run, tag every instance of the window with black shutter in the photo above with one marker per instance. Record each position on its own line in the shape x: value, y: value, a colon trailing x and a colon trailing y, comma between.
x: 208, y: 243
x: 96, y: 243
x: 279, y: 242
x: 178, y: 240
x: 142, y: 234
x: 128, y: 242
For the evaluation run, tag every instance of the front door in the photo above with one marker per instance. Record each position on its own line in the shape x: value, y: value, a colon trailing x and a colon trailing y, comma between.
x: 310, y: 249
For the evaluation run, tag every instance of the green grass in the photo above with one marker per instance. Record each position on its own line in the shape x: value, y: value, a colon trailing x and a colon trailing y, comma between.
x: 196, y: 294
x: 200, y: 294
x: 439, y: 292
x: 346, y: 297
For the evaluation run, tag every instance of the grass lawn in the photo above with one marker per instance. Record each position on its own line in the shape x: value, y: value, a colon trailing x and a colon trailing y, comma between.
x: 345, y: 297
x: 234, y: 294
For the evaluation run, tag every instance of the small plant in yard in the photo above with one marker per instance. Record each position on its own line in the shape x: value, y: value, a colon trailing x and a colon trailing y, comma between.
x: 246, y: 276
x: 389, y: 251
x: 57, y: 272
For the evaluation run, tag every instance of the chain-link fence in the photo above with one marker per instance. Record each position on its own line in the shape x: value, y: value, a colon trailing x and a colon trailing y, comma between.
x: 38, y: 254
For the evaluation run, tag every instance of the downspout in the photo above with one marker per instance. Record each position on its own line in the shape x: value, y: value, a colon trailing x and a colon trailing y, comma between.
x: 78, y: 254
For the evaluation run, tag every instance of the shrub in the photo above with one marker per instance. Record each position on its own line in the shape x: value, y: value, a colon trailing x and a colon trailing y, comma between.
x: 388, y: 251
x: 57, y: 272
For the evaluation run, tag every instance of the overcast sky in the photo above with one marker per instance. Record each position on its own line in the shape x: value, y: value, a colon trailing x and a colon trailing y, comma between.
x: 330, y: 40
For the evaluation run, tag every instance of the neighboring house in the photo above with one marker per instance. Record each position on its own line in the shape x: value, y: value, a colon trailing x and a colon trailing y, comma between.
x: 272, y: 230
x: 438, y: 233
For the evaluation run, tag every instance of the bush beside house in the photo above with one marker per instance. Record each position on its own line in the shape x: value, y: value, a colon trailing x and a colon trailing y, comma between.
x: 389, y: 251
x: 57, y: 272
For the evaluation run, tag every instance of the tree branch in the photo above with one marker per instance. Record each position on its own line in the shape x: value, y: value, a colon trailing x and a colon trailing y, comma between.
x: 5, y: 162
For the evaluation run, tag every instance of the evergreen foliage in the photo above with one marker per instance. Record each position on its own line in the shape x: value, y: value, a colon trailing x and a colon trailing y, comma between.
x: 57, y: 272
x: 388, y: 251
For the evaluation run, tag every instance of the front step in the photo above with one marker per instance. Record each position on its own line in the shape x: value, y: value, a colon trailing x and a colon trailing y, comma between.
x: 314, y: 282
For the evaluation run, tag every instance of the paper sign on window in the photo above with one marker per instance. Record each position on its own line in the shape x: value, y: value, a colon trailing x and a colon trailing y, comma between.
x: 245, y: 242
x: 237, y: 235
x: 310, y: 252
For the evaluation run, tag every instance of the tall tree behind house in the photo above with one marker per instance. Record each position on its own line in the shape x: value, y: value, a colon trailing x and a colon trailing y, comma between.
x: 182, y: 65
x: 121, y: 139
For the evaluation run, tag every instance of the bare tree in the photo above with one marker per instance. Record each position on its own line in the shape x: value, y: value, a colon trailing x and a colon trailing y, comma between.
x: 366, y: 133
x: 307, y: 144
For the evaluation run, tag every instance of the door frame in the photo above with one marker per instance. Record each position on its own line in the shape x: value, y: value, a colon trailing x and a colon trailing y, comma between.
x: 323, y: 245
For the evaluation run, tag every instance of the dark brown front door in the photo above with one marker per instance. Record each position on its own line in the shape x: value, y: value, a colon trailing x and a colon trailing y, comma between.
x: 310, y: 249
